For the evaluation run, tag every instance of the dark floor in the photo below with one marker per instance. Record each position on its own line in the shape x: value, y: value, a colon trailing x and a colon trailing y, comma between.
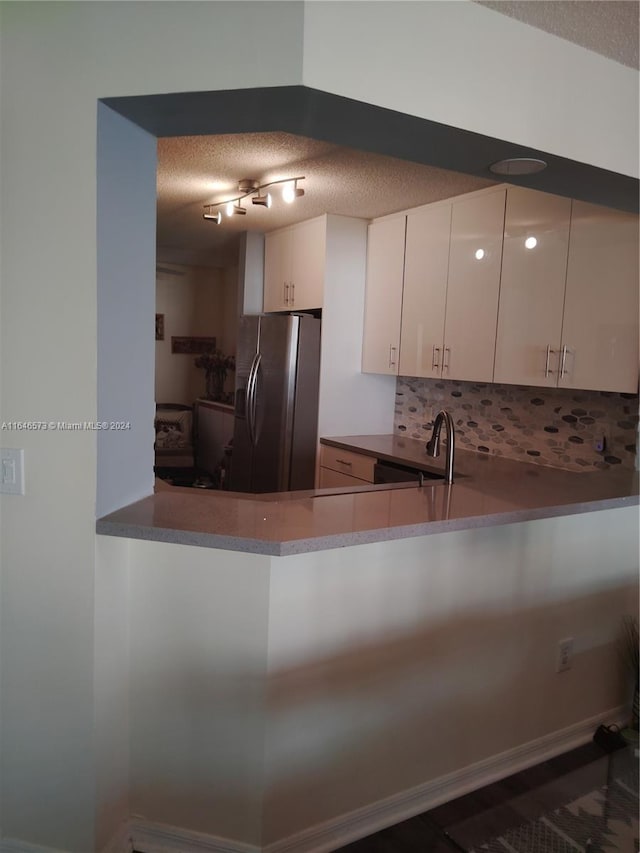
x: 483, y: 813
x: 188, y: 477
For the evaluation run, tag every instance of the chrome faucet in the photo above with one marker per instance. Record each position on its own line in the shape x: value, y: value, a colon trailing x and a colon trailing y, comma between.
x: 433, y: 445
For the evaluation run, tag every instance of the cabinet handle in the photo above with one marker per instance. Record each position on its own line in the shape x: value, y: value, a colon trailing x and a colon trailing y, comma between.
x: 547, y: 369
x: 445, y: 360
x: 435, y: 360
x: 392, y: 350
x: 344, y: 462
x: 293, y: 293
x: 286, y: 293
x: 563, y: 363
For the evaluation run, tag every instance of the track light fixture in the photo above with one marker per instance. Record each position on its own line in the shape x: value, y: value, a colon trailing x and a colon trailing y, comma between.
x: 248, y: 187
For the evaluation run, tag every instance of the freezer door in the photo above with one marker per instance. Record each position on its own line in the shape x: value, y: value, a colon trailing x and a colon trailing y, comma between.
x: 304, y: 440
x: 273, y: 403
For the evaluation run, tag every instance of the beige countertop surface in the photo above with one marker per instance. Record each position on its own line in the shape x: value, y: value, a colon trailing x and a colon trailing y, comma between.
x: 487, y: 491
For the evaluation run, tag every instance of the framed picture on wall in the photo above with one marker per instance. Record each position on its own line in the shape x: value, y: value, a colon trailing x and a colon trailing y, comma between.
x: 159, y: 327
x: 191, y: 345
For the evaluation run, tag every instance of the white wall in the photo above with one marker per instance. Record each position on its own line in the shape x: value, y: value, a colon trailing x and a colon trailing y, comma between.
x: 198, y: 665
x: 229, y: 330
x: 397, y: 663
x: 58, y: 59
x: 250, y: 273
x: 333, y: 665
x: 467, y: 66
x: 194, y: 302
x: 126, y: 167
x: 351, y: 402
x: 111, y: 688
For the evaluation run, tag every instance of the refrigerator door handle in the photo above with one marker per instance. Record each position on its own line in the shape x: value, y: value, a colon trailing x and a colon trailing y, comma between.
x: 251, y: 398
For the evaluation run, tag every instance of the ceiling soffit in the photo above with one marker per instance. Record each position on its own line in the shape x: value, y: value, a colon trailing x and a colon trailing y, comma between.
x: 342, y: 121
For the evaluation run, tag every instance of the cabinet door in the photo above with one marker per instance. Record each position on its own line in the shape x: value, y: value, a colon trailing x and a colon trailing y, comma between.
x: 473, y: 287
x: 277, y: 270
x: 425, y: 291
x: 383, y: 300
x: 600, y: 327
x: 308, y: 248
x: 534, y: 266
x: 330, y: 479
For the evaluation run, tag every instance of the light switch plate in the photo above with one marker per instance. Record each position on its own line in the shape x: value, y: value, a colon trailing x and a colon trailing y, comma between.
x: 11, y: 471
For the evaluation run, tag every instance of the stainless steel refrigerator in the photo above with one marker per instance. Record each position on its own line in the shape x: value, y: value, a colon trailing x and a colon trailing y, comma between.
x: 276, y: 403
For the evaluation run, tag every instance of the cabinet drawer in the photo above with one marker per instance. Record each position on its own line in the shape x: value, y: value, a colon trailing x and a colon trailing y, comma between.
x: 331, y: 479
x: 354, y: 464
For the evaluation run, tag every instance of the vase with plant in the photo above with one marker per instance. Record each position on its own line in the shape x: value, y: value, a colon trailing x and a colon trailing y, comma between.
x: 215, y: 365
x: 629, y: 652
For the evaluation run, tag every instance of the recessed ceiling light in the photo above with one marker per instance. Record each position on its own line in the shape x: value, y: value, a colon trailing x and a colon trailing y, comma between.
x: 518, y: 166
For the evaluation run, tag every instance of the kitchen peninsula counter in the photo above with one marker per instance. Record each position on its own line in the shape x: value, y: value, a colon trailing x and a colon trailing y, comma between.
x: 487, y: 491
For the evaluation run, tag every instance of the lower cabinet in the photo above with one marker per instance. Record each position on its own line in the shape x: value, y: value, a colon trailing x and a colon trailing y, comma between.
x: 343, y: 468
x: 214, y: 431
x: 330, y: 479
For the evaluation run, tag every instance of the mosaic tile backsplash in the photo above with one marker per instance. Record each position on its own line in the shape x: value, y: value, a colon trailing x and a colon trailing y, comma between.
x: 548, y: 426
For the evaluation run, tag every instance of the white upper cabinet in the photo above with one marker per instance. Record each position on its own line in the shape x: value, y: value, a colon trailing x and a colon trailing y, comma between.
x: 534, y: 268
x: 425, y: 291
x: 294, y: 267
x: 473, y: 287
x: 451, y: 286
x: 600, y: 328
x: 277, y: 270
x: 506, y: 285
x: 383, y: 301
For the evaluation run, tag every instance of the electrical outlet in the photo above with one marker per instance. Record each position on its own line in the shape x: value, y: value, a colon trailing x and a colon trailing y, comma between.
x: 600, y: 444
x: 564, y: 654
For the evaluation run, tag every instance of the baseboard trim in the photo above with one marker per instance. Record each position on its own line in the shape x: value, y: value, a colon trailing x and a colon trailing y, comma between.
x: 151, y: 837
x: 15, y: 845
x: 120, y: 841
x: 359, y: 823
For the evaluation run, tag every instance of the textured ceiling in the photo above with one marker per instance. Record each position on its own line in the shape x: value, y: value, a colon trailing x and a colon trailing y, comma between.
x: 608, y: 27
x: 195, y: 170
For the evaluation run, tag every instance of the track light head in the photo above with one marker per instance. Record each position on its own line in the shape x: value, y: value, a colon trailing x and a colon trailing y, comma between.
x: 234, y: 208
x: 263, y: 200
x: 213, y: 217
x: 291, y: 192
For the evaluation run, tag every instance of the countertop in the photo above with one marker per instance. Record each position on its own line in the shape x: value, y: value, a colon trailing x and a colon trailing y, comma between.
x: 487, y: 491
